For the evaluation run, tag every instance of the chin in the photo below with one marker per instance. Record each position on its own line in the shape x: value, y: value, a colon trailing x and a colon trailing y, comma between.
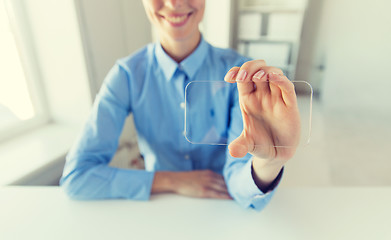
x: 184, y: 36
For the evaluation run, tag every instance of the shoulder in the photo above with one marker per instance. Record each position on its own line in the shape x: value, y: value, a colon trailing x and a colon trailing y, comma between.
x: 227, y: 57
x: 137, y: 60
x: 128, y: 68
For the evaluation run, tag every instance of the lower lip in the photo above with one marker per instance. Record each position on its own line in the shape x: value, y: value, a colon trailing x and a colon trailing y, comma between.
x: 180, y: 23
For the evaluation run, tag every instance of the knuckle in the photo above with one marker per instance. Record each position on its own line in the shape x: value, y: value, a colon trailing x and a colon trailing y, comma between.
x: 274, y: 69
x: 261, y: 61
x: 204, y: 192
x: 209, y: 172
x: 233, y: 69
x: 253, y: 64
x: 246, y: 65
x: 291, y: 85
x: 278, y: 70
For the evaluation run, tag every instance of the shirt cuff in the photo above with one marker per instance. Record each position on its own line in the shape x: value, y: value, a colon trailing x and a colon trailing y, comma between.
x: 259, y: 202
x: 250, y: 193
x: 135, y: 184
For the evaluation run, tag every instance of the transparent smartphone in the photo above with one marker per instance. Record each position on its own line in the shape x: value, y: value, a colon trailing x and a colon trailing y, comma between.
x: 213, y: 113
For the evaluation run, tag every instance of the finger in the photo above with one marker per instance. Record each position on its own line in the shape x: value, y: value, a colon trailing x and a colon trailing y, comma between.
x: 231, y: 75
x: 274, y: 88
x: 245, y: 75
x: 264, y: 85
x: 261, y: 82
x: 239, y: 147
x: 260, y: 78
x: 218, y: 182
x: 270, y: 69
x: 219, y: 185
x: 213, y: 175
x: 210, y: 193
x: 286, y: 88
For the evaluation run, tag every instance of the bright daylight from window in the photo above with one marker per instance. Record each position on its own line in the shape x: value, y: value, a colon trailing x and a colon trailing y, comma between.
x: 15, y: 101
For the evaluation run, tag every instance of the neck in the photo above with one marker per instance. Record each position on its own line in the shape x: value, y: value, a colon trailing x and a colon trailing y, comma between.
x: 180, y: 49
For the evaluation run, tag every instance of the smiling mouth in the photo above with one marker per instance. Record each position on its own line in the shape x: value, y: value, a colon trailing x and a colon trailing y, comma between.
x: 177, y: 20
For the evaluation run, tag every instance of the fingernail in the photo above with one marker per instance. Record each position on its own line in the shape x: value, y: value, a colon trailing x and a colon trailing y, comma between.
x: 259, y: 74
x: 271, y: 74
x: 241, y: 76
x: 229, y: 76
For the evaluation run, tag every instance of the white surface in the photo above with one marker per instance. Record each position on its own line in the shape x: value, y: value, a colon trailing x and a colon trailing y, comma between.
x: 21, y: 157
x: 295, y: 213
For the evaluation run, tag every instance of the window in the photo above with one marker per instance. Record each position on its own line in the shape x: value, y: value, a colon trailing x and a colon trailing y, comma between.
x: 49, y: 101
x: 19, y: 103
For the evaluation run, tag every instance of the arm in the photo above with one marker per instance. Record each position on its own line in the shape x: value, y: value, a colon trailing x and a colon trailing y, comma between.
x: 86, y: 173
x: 270, y: 118
x: 238, y: 171
x: 265, y: 174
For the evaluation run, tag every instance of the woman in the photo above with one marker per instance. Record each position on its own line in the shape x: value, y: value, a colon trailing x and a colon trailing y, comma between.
x: 150, y: 84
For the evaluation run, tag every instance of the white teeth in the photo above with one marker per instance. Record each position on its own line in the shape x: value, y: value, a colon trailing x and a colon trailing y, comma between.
x: 176, y: 19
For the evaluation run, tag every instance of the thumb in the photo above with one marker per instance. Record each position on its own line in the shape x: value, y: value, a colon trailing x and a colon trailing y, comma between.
x: 239, y: 147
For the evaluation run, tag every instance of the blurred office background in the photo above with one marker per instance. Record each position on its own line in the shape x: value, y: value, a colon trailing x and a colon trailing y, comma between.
x: 54, y: 56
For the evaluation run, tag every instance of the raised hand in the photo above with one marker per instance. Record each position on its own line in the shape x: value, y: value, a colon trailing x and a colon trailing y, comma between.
x: 271, y: 120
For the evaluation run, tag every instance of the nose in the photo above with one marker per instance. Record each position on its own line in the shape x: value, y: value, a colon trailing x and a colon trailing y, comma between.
x: 175, y: 3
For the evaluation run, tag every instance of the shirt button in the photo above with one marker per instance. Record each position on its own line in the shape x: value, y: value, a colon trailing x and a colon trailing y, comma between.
x: 182, y: 105
x: 187, y: 157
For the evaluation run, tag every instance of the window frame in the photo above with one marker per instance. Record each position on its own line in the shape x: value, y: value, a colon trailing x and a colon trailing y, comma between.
x: 21, y: 30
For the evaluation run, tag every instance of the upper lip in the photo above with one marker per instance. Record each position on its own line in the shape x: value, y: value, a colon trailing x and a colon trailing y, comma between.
x: 175, y: 15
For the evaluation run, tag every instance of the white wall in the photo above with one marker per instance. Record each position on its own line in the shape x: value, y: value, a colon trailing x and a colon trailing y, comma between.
x: 358, y: 49
x: 312, y: 51
x: 217, y: 23
x: 110, y: 30
x: 59, y: 50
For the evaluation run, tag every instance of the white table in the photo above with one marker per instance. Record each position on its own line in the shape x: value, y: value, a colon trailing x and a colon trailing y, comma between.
x: 294, y: 213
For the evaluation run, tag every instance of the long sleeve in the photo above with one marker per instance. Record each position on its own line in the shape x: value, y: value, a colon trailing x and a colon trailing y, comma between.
x: 238, y: 171
x: 86, y: 173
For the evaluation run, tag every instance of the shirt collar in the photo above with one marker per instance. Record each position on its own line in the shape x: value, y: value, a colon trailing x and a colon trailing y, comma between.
x: 189, y: 65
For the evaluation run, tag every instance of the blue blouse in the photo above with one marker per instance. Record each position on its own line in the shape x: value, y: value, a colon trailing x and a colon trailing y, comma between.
x: 150, y: 85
